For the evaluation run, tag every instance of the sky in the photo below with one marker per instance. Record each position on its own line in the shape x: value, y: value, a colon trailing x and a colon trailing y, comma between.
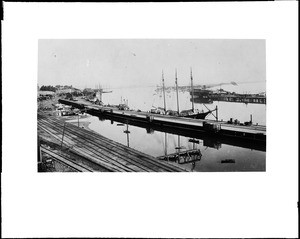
x: 121, y: 63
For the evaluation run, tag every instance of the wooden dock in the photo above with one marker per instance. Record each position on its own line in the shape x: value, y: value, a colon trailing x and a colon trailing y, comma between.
x: 97, y: 149
x: 209, y: 95
x: 253, y: 134
x: 240, y: 98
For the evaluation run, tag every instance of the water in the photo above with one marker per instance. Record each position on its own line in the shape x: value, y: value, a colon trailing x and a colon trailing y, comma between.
x: 145, y: 98
x: 160, y: 143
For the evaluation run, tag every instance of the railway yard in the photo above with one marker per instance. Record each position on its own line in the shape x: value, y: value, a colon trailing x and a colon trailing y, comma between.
x: 67, y: 147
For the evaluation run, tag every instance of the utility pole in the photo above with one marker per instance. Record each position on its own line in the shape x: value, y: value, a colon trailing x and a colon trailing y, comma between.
x: 62, y: 140
x: 163, y: 82
x: 127, y: 136
x: 179, y: 147
x: 192, y: 88
x: 166, y: 145
x: 127, y: 132
x: 176, y: 83
x: 100, y: 93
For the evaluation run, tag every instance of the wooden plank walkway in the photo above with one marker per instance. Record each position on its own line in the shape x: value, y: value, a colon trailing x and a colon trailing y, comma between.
x: 98, y: 149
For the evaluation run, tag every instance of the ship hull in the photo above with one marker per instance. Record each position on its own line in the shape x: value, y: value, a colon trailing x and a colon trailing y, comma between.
x: 197, y: 115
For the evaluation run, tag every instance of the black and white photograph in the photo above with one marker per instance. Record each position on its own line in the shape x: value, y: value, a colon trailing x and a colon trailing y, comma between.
x: 152, y: 105
x: 150, y: 120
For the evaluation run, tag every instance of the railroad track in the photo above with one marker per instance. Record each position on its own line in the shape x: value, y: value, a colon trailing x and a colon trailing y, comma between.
x: 82, y: 150
x: 66, y: 161
x: 108, y: 153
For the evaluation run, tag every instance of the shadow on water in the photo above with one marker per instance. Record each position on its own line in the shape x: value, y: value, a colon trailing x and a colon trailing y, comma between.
x: 208, y: 140
x: 195, y: 152
x: 182, y: 155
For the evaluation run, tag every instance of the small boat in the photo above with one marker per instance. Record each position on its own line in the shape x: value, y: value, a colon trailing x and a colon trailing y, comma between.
x: 157, y: 110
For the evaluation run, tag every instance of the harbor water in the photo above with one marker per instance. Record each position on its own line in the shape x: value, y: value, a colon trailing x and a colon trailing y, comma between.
x: 213, y: 156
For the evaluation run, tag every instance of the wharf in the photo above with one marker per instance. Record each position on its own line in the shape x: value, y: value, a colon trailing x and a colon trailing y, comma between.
x: 200, y: 94
x: 240, y: 98
x: 254, y: 134
x: 96, y: 149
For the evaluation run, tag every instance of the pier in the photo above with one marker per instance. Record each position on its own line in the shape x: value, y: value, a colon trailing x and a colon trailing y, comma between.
x: 251, y: 134
x: 210, y: 96
x: 240, y: 98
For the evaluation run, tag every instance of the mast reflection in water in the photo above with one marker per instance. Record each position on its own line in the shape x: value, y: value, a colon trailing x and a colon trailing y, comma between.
x: 182, y: 155
x: 193, y: 154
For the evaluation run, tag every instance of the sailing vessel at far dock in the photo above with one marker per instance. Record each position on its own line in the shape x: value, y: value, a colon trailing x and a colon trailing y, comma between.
x: 190, y: 113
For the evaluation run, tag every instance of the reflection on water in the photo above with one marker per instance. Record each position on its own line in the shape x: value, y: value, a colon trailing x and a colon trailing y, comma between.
x: 192, y: 153
x: 183, y: 155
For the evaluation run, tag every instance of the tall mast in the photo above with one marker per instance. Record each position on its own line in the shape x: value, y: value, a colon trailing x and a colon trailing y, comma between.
x: 192, y: 87
x: 177, y: 90
x: 100, y: 93
x: 163, y: 82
